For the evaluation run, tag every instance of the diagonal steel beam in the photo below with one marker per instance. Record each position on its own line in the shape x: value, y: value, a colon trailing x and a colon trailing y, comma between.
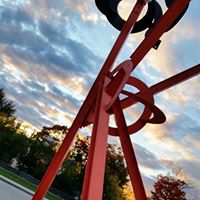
x: 129, y: 154
x: 165, y: 84
x: 176, y: 79
x: 158, y: 30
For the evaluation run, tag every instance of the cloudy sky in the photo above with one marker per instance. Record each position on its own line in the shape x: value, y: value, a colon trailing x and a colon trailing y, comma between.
x: 51, y: 51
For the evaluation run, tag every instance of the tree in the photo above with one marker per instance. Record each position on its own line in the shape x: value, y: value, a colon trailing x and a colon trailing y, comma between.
x: 34, y: 154
x: 41, y: 148
x: 71, y: 175
x: 116, y: 176
x: 6, y: 107
x: 13, y: 141
x: 169, y: 188
x: 128, y: 192
x: 115, y: 164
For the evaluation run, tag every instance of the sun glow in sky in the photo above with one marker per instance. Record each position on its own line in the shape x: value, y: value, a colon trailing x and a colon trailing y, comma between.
x: 51, y: 52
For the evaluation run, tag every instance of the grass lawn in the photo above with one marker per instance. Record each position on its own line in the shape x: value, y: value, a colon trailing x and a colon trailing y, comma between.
x: 24, y: 183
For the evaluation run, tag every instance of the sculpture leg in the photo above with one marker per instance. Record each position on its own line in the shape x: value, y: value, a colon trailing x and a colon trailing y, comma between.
x: 94, y: 175
x: 129, y: 154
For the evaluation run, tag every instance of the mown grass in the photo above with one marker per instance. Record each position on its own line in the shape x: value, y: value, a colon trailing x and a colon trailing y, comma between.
x: 24, y: 183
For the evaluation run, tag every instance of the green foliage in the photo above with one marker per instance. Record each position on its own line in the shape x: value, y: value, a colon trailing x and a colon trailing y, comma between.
x: 6, y: 107
x: 71, y: 174
x: 115, y: 174
x: 112, y: 190
x: 13, y: 141
x: 41, y: 148
x: 68, y: 179
x: 34, y: 155
x: 115, y: 164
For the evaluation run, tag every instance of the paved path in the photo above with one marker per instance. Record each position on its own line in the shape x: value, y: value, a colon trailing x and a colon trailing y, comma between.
x: 9, y: 190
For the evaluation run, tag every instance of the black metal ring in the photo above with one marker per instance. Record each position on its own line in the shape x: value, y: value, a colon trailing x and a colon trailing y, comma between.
x: 109, y: 8
x: 103, y: 6
x: 168, y: 4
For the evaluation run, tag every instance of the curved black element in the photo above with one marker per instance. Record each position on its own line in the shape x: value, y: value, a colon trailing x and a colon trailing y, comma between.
x: 153, y: 14
x: 103, y: 6
x: 114, y: 4
x: 109, y: 8
x: 168, y: 4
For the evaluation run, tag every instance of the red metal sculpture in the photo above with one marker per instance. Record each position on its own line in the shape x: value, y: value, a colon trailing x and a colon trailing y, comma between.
x: 103, y: 99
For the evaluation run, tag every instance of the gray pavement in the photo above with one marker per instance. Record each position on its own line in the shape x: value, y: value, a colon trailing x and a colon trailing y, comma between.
x: 9, y: 190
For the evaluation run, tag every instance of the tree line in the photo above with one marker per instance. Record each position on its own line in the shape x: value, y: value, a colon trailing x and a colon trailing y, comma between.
x: 33, y: 155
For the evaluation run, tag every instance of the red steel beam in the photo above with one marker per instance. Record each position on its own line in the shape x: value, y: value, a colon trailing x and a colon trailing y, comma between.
x: 95, y: 169
x: 158, y: 30
x: 129, y: 153
x: 88, y: 103
x: 166, y: 84
x: 176, y: 79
